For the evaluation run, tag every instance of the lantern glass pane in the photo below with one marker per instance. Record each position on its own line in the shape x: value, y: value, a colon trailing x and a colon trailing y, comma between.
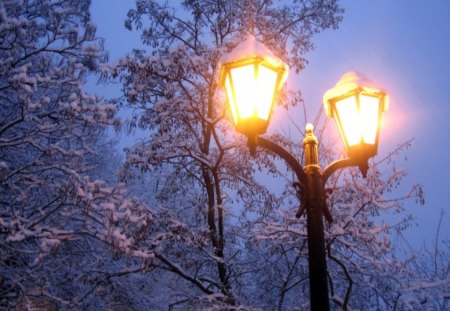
x: 348, y: 121
x: 369, y: 112
x: 254, y: 90
x: 244, y: 88
x: 266, y: 84
x: 230, y: 96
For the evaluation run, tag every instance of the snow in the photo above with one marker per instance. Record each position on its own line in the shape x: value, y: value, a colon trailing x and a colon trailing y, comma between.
x: 16, y: 237
x: 251, y: 48
x: 104, y: 222
x: 350, y: 81
x: 48, y: 243
x: 81, y: 192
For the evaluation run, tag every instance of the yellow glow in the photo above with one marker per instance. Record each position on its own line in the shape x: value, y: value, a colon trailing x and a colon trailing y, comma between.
x: 231, y: 100
x: 266, y: 82
x: 347, y: 112
x: 359, y: 123
x: 369, y: 111
x: 243, y: 89
x: 357, y: 104
x: 254, y: 89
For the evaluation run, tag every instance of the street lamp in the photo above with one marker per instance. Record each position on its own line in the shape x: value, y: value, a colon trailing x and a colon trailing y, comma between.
x: 252, y: 76
x: 357, y: 105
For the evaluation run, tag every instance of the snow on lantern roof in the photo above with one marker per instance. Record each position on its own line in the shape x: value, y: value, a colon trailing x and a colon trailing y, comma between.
x: 350, y: 81
x: 251, y: 48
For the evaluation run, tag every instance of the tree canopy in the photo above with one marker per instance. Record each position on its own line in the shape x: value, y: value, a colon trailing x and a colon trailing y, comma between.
x: 192, y: 222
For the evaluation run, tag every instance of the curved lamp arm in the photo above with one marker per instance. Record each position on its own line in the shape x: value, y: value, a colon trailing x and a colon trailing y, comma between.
x: 285, y: 155
x: 339, y: 164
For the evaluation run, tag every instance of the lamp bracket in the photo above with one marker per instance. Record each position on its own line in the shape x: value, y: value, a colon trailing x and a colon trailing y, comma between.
x: 340, y: 164
x: 294, y: 164
x: 251, y: 144
x: 292, y: 161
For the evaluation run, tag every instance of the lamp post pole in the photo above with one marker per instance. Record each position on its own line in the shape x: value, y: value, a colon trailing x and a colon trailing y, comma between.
x: 315, y: 204
x: 313, y: 201
x: 311, y: 180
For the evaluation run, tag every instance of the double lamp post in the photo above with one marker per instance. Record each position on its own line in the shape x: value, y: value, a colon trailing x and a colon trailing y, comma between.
x: 252, y: 77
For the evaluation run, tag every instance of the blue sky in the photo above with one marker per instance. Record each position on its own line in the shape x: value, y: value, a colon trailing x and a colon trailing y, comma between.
x: 405, y: 47
x: 402, y: 45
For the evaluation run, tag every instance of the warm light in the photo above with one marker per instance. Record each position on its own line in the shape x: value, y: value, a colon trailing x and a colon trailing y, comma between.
x: 357, y: 105
x: 252, y: 77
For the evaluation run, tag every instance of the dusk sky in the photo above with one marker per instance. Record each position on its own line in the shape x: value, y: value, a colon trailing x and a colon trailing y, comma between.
x: 402, y: 45
x: 405, y: 47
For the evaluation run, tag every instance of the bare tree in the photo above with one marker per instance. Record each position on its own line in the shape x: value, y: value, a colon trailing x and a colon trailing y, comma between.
x: 55, y: 221
x: 172, y: 90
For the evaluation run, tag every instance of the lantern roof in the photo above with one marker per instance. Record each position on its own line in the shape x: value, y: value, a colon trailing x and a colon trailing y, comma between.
x: 251, y: 48
x: 351, y: 81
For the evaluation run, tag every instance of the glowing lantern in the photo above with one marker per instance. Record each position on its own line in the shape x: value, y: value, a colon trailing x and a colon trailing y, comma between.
x: 357, y: 105
x: 252, y: 77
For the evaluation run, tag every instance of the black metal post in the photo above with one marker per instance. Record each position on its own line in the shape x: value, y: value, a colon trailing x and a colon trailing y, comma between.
x: 315, y: 204
x: 312, y: 184
x: 312, y: 181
